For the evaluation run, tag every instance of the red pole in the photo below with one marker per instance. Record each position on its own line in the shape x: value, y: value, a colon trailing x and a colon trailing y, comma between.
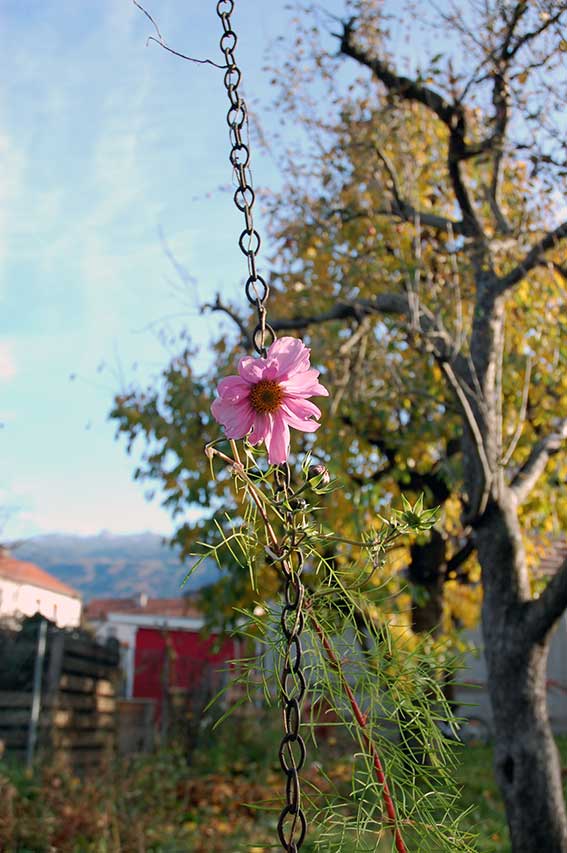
x: 361, y: 720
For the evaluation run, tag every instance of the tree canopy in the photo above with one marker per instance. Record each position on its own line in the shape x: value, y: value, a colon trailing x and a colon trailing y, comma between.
x: 397, y: 192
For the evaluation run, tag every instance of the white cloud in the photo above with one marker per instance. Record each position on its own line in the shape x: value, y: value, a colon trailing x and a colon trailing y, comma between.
x: 7, y: 363
x: 126, y: 512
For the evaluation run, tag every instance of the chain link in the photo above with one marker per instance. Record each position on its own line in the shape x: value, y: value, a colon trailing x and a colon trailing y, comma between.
x: 292, y: 824
x: 256, y: 288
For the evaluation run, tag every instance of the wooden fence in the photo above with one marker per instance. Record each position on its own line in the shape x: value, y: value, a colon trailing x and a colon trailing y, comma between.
x: 59, y: 700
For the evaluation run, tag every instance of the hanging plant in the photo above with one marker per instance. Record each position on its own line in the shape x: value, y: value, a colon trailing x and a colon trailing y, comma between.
x: 328, y: 645
x: 324, y: 645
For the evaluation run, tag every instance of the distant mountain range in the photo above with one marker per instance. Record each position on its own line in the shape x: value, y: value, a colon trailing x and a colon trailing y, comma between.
x: 109, y: 565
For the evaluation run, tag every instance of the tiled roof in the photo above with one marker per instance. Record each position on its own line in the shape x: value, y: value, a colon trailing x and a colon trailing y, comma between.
x: 99, y: 608
x: 21, y: 572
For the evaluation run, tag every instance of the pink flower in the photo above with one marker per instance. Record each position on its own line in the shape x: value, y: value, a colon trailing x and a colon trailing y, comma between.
x: 268, y: 396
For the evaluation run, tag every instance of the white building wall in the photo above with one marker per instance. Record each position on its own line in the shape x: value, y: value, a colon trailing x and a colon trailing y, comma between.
x: 25, y: 600
x: 126, y: 636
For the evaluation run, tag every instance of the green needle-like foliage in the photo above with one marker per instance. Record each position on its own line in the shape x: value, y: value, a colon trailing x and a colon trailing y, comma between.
x: 380, y: 690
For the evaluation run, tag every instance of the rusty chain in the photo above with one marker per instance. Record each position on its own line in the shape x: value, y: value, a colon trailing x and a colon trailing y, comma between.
x: 292, y: 824
x: 256, y: 287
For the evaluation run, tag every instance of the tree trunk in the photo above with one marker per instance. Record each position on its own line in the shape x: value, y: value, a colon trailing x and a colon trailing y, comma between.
x: 427, y: 570
x: 525, y: 756
x: 526, y: 759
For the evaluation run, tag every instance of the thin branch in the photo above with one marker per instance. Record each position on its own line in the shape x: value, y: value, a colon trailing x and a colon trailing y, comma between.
x: 543, y: 612
x: 150, y: 19
x: 457, y: 560
x: 188, y: 58
x: 404, y: 87
x: 160, y: 40
x: 518, y: 13
x: 219, y: 305
x: 388, y: 303
x: 532, y: 259
x: 406, y: 211
x: 454, y: 366
x: 522, y: 414
x: 361, y: 721
x: 385, y: 303
x: 535, y: 465
x: 493, y: 144
x: 479, y: 505
x: 458, y: 153
x: 456, y: 284
x: 533, y: 34
x: 559, y: 268
x: 502, y: 225
x: 451, y: 114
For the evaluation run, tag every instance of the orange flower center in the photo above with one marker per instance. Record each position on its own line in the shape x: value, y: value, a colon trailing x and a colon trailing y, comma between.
x: 266, y: 396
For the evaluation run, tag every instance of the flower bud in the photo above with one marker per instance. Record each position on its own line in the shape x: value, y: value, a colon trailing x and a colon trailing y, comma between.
x: 319, y: 471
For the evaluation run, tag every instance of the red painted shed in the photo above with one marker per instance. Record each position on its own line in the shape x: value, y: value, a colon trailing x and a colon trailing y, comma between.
x: 179, y: 660
x: 164, y: 649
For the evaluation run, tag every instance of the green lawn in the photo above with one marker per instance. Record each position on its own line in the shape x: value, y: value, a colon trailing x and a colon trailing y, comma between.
x: 479, y: 792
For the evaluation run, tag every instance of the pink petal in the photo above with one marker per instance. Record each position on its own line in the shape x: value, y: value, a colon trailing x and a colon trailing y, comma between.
x: 251, y: 369
x: 262, y: 428
x: 302, y: 408
x: 305, y: 384
x: 297, y: 422
x: 233, y: 389
x: 289, y: 355
x: 278, y: 442
x: 237, y: 419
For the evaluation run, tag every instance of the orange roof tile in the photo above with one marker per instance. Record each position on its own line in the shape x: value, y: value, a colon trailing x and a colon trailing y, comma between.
x: 99, y: 608
x: 21, y: 572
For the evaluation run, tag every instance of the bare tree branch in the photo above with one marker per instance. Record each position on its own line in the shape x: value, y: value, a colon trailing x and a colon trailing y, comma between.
x: 535, y: 464
x: 219, y: 305
x: 438, y: 338
x: 456, y: 561
x: 501, y: 101
x: 478, y: 501
x: 521, y: 415
x: 562, y: 270
x: 492, y: 192
x: 423, y: 322
x: 386, y: 303
x: 543, y: 612
x: 404, y: 210
x: 532, y: 259
x: 451, y: 114
x: 454, y: 366
x: 533, y: 34
x: 404, y: 87
x: 160, y: 40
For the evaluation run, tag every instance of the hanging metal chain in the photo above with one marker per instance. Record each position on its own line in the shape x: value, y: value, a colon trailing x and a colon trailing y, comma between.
x: 256, y: 288
x: 292, y: 825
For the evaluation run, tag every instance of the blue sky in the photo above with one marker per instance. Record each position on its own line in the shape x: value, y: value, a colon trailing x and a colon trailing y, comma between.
x: 103, y: 142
